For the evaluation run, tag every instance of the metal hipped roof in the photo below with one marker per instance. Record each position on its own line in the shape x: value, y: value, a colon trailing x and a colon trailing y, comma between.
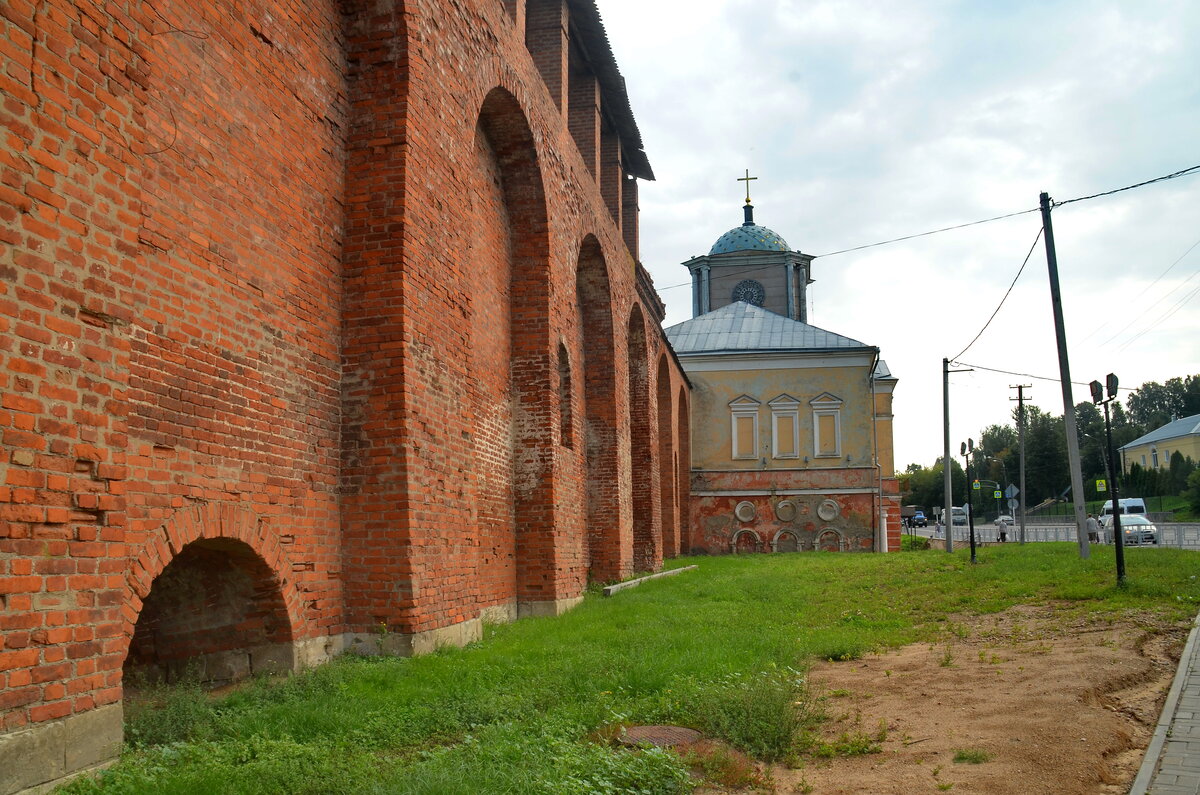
x: 744, y: 327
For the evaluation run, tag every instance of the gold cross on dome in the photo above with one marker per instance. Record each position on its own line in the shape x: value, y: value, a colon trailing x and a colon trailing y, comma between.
x: 747, y: 179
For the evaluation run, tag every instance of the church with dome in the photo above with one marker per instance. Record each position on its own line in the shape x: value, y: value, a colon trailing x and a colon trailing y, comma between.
x: 791, y: 439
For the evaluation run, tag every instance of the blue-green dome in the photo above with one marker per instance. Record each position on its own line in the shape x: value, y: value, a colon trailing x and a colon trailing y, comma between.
x: 748, y: 237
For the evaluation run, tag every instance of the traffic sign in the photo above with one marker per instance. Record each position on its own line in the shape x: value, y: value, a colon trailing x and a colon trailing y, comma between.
x: 1012, y: 505
x: 996, y: 494
x: 975, y: 485
x: 1011, y: 491
x: 1101, y: 485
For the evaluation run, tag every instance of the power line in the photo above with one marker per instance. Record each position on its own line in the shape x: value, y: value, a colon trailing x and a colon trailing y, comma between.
x: 1006, y: 294
x: 1145, y: 290
x: 1187, y: 298
x: 1163, y: 178
x: 1175, y: 175
x: 932, y: 232
x: 1025, y: 375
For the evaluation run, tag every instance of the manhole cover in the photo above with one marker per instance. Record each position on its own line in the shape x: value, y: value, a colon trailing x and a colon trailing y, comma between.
x: 662, y: 736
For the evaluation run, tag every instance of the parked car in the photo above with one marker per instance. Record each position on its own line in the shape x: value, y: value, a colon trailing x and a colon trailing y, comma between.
x: 918, y: 520
x: 1125, y: 506
x: 1008, y: 520
x: 1135, y: 528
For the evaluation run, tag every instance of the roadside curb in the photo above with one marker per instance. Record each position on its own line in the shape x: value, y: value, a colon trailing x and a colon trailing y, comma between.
x: 1154, y: 751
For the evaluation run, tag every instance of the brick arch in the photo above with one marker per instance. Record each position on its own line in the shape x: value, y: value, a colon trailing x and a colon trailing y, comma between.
x: 647, y: 550
x: 683, y: 469
x: 217, y: 530
x: 593, y: 294
x: 666, y: 460
x: 515, y: 410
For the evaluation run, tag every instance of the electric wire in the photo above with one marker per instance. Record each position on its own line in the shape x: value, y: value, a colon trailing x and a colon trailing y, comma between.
x: 1137, y: 298
x: 1026, y: 375
x: 1007, y: 293
x: 1184, y: 301
x: 1174, y: 175
x: 1164, y: 178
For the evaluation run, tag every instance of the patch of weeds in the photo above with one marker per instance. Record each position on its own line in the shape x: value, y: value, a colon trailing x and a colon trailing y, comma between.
x: 945, y: 786
x: 841, y: 692
x: 725, y: 767
x: 157, y: 713
x: 843, y: 653
x: 763, y: 714
x: 848, y: 743
x: 947, y: 658
x: 971, y: 756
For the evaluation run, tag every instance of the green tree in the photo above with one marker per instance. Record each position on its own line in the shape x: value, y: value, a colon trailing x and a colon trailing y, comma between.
x: 925, y: 486
x: 1046, y: 472
x: 1153, y: 405
x: 1192, y: 494
x: 1177, y: 474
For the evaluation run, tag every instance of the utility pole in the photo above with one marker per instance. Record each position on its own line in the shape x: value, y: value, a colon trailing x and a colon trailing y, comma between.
x: 1064, y: 370
x: 1110, y: 465
x: 1021, y: 446
x: 947, y: 483
x: 947, y: 469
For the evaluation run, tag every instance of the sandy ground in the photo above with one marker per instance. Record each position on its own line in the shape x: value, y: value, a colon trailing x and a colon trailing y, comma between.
x: 1058, y: 702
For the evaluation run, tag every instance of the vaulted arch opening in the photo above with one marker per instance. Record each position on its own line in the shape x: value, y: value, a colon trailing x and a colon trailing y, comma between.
x: 512, y: 400
x: 683, y: 470
x: 666, y: 460
x: 646, y: 553
x: 594, y: 299
x: 216, y: 613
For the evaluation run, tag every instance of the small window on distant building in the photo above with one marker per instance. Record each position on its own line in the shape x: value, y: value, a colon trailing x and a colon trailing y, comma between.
x: 744, y: 426
x: 785, y: 427
x: 827, y: 426
x: 1154, y: 456
x: 1143, y: 460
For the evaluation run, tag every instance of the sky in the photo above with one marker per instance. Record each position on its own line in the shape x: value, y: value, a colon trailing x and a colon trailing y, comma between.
x: 868, y: 121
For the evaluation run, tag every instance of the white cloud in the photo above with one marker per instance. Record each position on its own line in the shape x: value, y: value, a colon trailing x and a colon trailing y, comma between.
x: 867, y: 121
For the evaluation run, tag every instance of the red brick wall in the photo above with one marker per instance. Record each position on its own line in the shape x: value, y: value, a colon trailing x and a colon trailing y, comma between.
x: 282, y: 292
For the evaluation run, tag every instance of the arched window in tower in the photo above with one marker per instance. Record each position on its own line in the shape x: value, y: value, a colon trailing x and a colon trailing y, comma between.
x: 566, y: 436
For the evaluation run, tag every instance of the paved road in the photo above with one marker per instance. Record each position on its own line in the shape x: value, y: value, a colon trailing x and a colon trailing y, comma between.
x: 1171, y: 534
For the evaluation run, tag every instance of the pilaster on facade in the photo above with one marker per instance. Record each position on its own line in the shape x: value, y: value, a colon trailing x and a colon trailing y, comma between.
x: 612, y: 172
x: 547, y: 24
x: 583, y: 110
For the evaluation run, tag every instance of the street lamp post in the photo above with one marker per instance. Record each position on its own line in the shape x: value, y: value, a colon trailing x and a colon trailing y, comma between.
x: 1118, y: 537
x: 968, y: 447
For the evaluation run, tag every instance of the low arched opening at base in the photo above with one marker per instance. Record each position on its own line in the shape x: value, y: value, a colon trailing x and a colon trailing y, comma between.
x: 830, y: 540
x: 216, y: 613
x: 745, y: 541
x: 786, y: 541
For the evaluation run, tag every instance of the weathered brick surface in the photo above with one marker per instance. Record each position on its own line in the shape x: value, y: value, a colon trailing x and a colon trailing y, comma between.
x: 313, y: 317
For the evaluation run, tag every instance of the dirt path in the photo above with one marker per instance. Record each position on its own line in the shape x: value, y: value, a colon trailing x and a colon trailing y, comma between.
x: 1055, y: 703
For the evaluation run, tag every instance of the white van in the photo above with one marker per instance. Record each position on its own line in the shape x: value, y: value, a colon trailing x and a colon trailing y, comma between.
x: 957, y: 515
x: 1131, y: 505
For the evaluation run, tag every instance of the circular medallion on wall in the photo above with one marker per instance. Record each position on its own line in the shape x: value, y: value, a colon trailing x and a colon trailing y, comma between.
x: 750, y: 291
x: 745, y: 511
x: 786, y: 511
x: 828, y: 510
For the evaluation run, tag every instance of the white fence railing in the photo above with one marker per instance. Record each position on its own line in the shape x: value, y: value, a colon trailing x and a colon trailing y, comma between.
x: 1170, y: 534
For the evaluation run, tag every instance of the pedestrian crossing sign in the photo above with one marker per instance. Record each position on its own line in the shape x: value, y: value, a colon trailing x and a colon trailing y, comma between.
x: 1101, y: 485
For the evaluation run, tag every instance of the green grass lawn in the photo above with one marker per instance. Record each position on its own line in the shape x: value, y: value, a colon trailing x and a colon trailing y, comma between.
x: 722, y: 649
